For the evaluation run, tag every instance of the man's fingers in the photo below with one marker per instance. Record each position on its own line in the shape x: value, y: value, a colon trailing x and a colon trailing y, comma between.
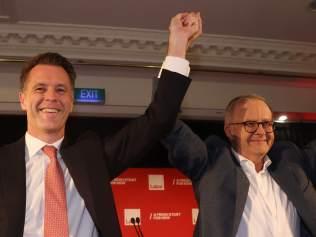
x: 180, y: 17
x: 177, y: 20
x: 196, y: 28
x: 184, y: 29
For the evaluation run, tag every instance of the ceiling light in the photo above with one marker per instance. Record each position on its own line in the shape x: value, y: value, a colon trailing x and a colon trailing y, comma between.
x: 282, y: 119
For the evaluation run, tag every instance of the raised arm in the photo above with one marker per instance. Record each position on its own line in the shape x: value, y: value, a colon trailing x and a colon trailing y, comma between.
x: 133, y: 142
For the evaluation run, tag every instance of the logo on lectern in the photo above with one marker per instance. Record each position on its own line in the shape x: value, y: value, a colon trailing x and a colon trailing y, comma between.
x: 129, y: 214
x: 156, y: 182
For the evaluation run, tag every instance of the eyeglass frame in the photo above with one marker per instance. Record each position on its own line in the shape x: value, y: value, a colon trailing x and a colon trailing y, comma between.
x: 265, y: 125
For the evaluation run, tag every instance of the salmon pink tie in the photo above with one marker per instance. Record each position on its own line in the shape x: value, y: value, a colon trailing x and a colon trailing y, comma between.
x: 55, y: 217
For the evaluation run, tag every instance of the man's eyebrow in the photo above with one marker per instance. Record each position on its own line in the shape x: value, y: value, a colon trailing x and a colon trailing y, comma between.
x: 39, y: 84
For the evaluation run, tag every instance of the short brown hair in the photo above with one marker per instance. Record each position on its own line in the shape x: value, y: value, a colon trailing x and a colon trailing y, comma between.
x: 242, y: 99
x: 48, y: 58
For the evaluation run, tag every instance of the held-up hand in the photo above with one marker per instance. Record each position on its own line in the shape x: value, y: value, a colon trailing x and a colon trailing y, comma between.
x: 184, y: 29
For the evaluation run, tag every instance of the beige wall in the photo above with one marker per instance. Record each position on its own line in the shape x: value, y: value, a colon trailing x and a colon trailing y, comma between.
x: 128, y: 91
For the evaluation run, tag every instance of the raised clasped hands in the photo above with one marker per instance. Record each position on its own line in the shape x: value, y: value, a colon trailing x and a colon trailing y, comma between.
x: 184, y: 29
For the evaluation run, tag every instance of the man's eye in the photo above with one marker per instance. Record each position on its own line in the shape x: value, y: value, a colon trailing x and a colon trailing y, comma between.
x: 251, y: 124
x: 267, y: 124
x: 39, y: 89
x: 61, y: 90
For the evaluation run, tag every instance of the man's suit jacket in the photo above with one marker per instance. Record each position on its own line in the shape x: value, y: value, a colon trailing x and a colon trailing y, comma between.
x: 93, y: 162
x: 221, y: 186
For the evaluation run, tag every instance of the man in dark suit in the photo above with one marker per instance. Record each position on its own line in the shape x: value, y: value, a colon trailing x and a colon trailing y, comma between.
x: 51, y: 185
x: 241, y: 189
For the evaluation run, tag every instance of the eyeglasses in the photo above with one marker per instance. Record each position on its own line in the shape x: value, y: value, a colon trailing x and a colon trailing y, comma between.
x: 252, y: 126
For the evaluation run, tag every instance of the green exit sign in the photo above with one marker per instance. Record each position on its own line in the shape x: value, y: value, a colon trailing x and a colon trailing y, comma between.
x: 89, y: 96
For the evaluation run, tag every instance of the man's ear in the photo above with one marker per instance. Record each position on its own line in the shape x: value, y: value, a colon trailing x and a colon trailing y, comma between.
x: 22, y: 100
x: 72, y: 101
x: 228, y: 131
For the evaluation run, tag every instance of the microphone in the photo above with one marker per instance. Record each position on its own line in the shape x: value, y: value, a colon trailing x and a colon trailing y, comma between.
x: 133, y: 222
x: 138, y: 225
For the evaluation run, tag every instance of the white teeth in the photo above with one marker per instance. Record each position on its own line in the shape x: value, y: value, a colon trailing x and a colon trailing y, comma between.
x: 50, y: 110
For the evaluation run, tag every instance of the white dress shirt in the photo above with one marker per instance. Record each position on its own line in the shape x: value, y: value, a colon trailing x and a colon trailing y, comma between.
x: 175, y: 64
x: 268, y: 211
x: 79, y: 219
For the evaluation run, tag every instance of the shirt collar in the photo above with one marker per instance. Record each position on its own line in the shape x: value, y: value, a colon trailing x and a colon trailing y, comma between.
x: 34, y: 145
x: 246, y: 163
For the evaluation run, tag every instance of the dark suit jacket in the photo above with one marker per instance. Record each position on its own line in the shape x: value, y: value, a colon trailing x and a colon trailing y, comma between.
x: 93, y: 162
x: 221, y: 187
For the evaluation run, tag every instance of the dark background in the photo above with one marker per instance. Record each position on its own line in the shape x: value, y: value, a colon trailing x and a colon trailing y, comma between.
x: 14, y: 127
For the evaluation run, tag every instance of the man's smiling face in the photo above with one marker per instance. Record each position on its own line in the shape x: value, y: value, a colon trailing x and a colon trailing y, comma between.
x: 254, y: 145
x: 47, y: 98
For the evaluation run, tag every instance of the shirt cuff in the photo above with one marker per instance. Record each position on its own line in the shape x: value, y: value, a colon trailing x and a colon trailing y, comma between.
x: 176, y: 64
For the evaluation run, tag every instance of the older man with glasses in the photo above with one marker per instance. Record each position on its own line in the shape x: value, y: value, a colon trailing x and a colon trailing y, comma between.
x: 243, y: 191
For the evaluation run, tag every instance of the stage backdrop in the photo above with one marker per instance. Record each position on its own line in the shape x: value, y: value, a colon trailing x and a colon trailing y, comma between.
x: 162, y: 199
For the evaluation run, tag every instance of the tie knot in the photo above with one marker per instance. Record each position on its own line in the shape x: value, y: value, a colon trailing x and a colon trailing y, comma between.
x: 50, y: 151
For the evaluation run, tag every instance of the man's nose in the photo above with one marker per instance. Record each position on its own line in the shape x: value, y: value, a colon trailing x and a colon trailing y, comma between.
x: 51, y: 94
x: 260, y: 129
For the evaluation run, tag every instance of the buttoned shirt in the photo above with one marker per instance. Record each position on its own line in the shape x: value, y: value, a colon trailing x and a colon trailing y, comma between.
x: 268, y: 211
x: 79, y: 219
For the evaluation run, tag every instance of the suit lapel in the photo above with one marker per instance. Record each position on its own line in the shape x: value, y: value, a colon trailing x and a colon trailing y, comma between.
x: 242, y: 187
x: 289, y: 175
x: 85, y: 162
x: 284, y: 178
x: 14, y: 186
x: 281, y: 172
x: 75, y: 163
